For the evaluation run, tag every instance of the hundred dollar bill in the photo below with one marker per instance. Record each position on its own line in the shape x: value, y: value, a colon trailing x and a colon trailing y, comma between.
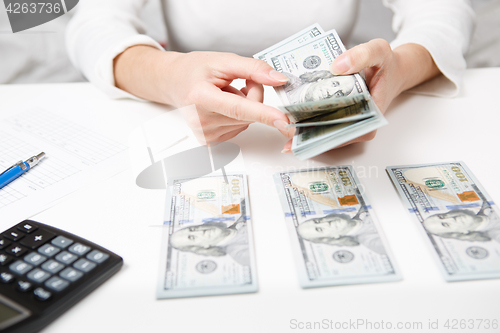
x: 459, y: 219
x: 335, y: 236
x: 329, y: 110
x: 207, y: 246
x: 291, y: 42
x: 311, y: 84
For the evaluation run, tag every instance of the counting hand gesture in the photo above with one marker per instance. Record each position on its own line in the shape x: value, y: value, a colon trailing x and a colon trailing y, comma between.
x: 203, y: 79
x: 388, y: 72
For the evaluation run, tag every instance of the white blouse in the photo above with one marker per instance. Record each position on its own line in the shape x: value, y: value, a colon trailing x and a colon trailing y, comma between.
x: 101, y: 30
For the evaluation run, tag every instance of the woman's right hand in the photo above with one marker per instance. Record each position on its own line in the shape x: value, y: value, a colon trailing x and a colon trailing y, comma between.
x: 203, y: 79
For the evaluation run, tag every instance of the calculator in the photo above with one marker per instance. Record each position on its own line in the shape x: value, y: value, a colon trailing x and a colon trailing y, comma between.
x: 44, y: 271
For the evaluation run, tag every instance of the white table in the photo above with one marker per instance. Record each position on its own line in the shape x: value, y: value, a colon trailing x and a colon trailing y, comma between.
x: 121, y: 217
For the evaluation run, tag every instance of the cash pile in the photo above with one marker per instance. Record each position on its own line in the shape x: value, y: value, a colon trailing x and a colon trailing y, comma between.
x: 327, y: 110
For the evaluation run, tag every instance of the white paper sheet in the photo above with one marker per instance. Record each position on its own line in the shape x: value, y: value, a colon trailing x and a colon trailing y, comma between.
x: 75, y: 156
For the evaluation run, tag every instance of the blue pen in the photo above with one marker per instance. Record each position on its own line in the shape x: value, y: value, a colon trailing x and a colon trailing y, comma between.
x: 15, y: 171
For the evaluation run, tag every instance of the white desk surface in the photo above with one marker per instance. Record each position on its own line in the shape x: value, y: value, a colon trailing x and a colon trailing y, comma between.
x: 120, y: 216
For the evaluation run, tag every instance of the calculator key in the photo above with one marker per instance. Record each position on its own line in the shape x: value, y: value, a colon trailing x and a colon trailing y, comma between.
x: 48, y: 250
x: 79, y: 249
x: 38, y: 276
x: 17, y: 250
x: 13, y: 234
x: 84, y: 265
x: 4, y: 242
x: 97, y: 256
x: 66, y: 257
x: 71, y: 274
x: 24, y: 286
x: 5, y: 259
x: 52, y: 266
x: 20, y: 267
x: 42, y: 294
x: 56, y: 283
x: 6, y: 277
x: 37, y: 239
x: 26, y: 227
x: 62, y: 242
x: 35, y: 258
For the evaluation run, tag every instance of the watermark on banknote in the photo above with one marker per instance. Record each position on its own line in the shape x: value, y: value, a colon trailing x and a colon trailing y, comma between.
x: 26, y: 14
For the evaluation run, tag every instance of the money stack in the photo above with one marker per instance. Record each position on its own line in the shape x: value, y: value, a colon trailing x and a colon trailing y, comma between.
x: 326, y: 110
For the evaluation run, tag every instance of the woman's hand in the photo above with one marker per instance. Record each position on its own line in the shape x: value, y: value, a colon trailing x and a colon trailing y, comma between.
x: 203, y: 79
x: 387, y: 72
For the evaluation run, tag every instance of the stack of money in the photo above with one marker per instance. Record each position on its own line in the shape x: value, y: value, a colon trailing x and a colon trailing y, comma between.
x: 327, y: 110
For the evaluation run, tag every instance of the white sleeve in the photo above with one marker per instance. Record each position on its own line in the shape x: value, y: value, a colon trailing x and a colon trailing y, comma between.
x: 444, y: 28
x: 100, y: 31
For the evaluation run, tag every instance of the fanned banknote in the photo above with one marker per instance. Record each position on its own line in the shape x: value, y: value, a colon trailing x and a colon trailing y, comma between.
x: 291, y: 42
x: 335, y: 236
x: 317, y: 100
x: 457, y: 216
x: 207, y: 246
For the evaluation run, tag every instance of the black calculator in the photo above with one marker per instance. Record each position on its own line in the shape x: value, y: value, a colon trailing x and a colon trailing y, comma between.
x: 44, y: 271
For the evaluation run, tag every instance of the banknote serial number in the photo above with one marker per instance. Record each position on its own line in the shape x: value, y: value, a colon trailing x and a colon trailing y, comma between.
x: 461, y: 324
x: 34, y: 7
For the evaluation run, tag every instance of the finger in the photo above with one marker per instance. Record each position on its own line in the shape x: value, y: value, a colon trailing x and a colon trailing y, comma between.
x: 288, y: 147
x: 208, y: 120
x: 233, y: 90
x: 288, y: 132
x: 231, y: 134
x: 239, y: 108
x: 236, y: 67
x: 253, y: 91
x: 219, y: 134
x: 371, y: 54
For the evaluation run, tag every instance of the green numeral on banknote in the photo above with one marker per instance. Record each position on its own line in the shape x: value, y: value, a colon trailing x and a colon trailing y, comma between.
x: 318, y: 187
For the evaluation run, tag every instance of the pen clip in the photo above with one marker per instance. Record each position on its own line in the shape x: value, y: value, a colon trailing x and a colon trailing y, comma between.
x: 12, y: 166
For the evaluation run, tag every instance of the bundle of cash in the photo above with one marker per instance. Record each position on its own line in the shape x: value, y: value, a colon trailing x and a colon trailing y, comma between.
x: 207, y: 245
x: 326, y: 109
x: 335, y: 236
x: 457, y: 217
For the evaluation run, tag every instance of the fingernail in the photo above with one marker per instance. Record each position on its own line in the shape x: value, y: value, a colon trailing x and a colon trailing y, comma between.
x: 281, y: 125
x: 274, y: 74
x: 340, y: 65
x: 285, y: 151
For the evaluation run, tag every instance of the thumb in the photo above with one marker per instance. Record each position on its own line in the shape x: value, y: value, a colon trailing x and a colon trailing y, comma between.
x: 288, y: 147
x: 370, y: 54
x: 237, y: 67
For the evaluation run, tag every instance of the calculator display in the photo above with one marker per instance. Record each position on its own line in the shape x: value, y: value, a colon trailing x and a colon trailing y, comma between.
x: 7, y: 313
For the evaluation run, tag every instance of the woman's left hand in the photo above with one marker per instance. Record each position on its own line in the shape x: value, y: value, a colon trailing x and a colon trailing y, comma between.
x: 387, y: 72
